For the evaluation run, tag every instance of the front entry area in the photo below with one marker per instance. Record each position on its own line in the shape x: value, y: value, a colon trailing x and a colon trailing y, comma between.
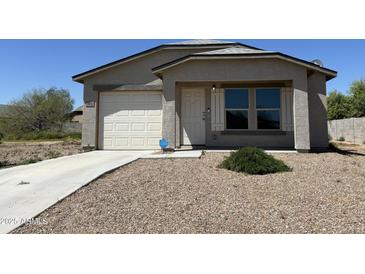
x: 193, y: 116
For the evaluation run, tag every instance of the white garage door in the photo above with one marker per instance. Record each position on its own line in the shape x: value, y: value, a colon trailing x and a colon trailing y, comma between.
x: 130, y: 120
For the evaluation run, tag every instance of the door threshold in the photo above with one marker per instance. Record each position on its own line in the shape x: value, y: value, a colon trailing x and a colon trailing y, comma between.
x: 191, y: 147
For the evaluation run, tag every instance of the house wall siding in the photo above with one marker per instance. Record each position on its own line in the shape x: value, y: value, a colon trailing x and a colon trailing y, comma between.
x: 138, y: 71
x: 308, y: 94
x: 317, y: 111
x: 240, y: 70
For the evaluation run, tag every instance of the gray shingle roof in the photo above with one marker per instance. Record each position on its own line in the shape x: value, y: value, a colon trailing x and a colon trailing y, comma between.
x: 231, y: 50
x: 201, y: 42
x: 234, y: 51
x: 189, y: 43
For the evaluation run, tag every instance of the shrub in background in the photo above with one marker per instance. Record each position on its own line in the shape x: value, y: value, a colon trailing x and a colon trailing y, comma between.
x: 38, y: 112
x: 338, y: 106
x: 253, y: 160
x: 4, y: 163
x: 341, y: 139
x: 31, y: 161
x: 352, y: 104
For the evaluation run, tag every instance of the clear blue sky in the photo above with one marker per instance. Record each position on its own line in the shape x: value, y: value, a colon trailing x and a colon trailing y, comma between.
x: 27, y: 64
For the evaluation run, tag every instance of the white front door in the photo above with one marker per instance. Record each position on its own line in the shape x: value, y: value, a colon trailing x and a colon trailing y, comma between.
x: 192, y: 116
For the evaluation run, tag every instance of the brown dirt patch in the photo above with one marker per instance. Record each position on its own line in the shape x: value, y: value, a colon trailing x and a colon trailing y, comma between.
x: 17, y: 153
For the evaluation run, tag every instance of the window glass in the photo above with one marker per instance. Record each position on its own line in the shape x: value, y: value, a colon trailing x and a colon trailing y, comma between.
x: 236, y: 98
x: 236, y: 119
x: 268, y: 119
x: 268, y: 98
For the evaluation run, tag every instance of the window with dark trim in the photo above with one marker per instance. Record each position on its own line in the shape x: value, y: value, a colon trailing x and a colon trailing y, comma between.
x: 236, y: 108
x: 268, y: 108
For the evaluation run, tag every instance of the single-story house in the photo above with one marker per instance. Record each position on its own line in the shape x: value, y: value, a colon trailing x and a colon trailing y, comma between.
x: 75, y: 116
x: 206, y: 93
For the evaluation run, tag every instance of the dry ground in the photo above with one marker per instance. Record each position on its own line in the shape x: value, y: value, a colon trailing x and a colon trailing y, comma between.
x: 350, y: 146
x: 17, y: 153
x: 325, y: 193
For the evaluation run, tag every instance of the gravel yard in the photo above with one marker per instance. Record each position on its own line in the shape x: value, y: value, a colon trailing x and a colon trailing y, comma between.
x: 325, y: 193
x: 18, y: 153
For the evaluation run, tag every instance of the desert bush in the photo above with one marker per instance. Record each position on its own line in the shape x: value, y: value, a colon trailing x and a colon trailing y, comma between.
x: 338, y: 106
x: 341, y: 139
x: 253, y: 160
x: 40, y: 110
x: 72, y: 136
x: 4, y: 163
x: 31, y: 161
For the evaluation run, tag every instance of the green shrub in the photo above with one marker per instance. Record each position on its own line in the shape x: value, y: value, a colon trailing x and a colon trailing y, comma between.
x: 4, y: 163
x: 253, y: 160
x: 31, y: 161
x: 341, y: 139
x: 72, y: 136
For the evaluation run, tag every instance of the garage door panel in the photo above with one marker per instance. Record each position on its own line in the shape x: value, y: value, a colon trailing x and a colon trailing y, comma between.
x: 137, y: 113
x: 108, y: 126
x: 121, y: 126
x: 154, y: 112
x: 138, y: 127
x: 151, y: 141
x: 108, y: 141
x: 121, y: 141
x: 138, y: 141
x: 130, y: 120
x: 154, y: 126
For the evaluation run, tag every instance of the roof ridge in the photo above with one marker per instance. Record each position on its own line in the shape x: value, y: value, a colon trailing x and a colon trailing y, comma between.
x: 201, y: 42
x: 232, y: 50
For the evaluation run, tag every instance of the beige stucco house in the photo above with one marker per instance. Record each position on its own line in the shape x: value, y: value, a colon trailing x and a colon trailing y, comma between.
x: 206, y: 93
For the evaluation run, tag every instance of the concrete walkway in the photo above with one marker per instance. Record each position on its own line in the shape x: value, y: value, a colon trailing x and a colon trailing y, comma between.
x: 26, y: 191
x: 176, y: 154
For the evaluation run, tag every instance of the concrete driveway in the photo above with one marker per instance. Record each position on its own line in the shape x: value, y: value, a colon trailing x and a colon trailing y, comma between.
x: 26, y: 191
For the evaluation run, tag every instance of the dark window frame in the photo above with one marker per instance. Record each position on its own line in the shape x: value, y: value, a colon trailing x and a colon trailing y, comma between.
x: 237, y: 109
x: 268, y: 109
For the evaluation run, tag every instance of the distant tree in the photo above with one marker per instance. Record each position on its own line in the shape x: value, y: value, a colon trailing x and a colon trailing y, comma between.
x: 357, y: 93
x: 39, y: 110
x: 338, y: 106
